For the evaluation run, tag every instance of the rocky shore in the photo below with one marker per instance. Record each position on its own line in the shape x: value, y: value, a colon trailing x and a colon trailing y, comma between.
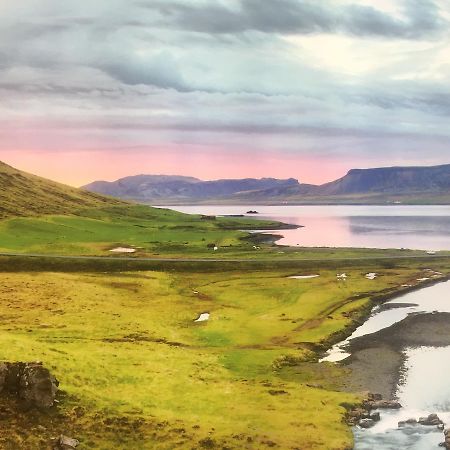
x: 376, y: 362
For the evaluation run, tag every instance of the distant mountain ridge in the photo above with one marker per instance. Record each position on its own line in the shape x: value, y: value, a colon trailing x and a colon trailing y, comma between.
x: 171, y: 188
x: 378, y: 185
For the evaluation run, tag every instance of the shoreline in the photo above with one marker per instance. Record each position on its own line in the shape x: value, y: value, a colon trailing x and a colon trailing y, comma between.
x: 377, y: 361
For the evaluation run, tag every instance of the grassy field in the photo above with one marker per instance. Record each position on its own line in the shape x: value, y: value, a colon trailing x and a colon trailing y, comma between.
x: 137, y: 372
x: 156, y: 232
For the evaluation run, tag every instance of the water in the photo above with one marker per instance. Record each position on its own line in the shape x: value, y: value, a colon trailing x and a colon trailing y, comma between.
x: 396, y: 226
x: 425, y: 388
x: 427, y: 300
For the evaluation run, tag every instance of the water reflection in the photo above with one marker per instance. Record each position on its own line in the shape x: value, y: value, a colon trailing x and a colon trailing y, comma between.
x: 417, y: 227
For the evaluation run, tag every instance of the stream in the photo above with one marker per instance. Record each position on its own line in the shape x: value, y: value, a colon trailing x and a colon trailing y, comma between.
x: 424, y: 386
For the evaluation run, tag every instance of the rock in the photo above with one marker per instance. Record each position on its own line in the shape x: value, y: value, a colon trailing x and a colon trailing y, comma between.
x: 38, y: 386
x: 374, y: 397
x: 382, y: 404
x: 446, y: 443
x: 30, y: 382
x: 366, y: 423
x: 432, y: 419
x: 65, y: 443
x: 404, y: 423
x: 375, y: 416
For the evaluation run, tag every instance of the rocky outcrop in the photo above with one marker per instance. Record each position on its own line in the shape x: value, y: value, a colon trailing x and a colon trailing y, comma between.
x: 382, y: 404
x: 32, y: 383
x: 446, y: 443
x: 364, y: 415
x: 431, y: 420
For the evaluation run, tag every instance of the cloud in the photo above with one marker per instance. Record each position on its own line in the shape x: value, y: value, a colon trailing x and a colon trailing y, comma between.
x: 341, y: 77
x: 421, y: 18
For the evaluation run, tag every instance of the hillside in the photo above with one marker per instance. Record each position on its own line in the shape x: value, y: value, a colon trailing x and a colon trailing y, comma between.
x: 420, y: 185
x: 23, y: 194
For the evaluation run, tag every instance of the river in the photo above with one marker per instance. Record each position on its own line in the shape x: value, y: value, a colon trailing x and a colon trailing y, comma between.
x: 423, y: 387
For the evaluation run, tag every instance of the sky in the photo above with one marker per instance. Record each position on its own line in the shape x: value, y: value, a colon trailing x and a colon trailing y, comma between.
x: 223, y: 88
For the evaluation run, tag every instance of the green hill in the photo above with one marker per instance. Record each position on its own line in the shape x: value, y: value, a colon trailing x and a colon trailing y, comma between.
x: 23, y: 194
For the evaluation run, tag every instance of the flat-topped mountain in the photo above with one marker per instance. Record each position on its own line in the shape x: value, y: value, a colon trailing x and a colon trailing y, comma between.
x: 378, y: 185
x: 23, y: 194
x: 396, y: 180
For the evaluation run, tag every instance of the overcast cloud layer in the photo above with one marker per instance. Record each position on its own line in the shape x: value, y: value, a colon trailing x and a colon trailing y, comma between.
x: 181, y: 84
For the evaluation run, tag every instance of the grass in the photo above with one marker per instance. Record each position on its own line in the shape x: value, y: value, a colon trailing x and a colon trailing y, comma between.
x: 157, y: 232
x: 96, y: 231
x: 137, y: 372
x: 23, y: 194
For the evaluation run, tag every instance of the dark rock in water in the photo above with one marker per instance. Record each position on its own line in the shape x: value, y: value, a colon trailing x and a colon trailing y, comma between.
x: 375, y: 416
x: 431, y: 420
x: 446, y: 443
x: 366, y: 423
x: 30, y: 382
x: 382, y: 404
x: 407, y: 422
x: 252, y: 212
x: 65, y: 443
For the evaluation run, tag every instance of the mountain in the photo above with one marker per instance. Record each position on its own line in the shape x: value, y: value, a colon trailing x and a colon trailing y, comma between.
x: 23, y: 194
x: 393, y: 180
x: 166, y: 188
x: 377, y: 186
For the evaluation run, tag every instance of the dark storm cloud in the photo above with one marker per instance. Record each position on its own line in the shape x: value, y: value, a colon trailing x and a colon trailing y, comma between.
x: 421, y: 18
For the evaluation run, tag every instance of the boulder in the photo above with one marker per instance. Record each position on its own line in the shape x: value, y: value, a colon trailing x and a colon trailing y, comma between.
x: 30, y: 382
x: 375, y: 416
x: 408, y: 422
x: 446, y: 443
x: 37, y: 386
x: 366, y: 423
x: 431, y: 420
x: 382, y: 404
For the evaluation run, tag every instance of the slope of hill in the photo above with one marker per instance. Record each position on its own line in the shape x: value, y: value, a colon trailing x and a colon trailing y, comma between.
x: 160, y: 188
x: 23, y: 194
x: 421, y: 185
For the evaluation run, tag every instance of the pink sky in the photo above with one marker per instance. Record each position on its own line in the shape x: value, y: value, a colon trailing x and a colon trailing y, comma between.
x: 84, y: 166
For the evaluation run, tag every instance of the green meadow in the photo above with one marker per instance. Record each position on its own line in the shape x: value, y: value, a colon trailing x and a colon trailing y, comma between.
x: 137, y: 371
